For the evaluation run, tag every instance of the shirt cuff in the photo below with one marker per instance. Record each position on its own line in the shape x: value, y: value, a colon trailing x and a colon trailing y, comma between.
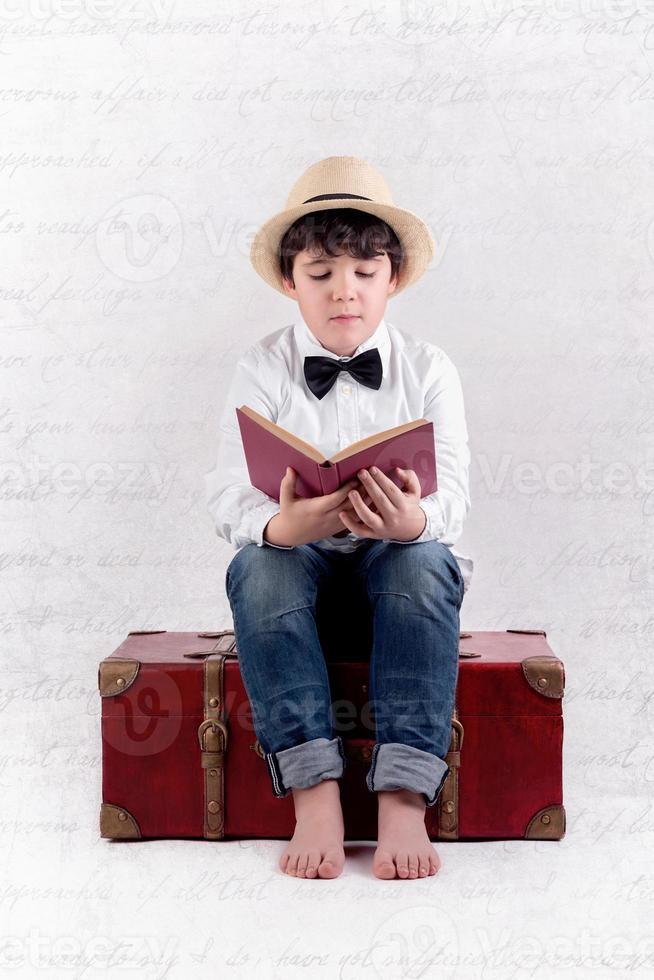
x: 259, y: 538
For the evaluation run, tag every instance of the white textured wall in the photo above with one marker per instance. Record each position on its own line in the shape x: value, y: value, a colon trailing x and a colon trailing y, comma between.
x: 141, y: 146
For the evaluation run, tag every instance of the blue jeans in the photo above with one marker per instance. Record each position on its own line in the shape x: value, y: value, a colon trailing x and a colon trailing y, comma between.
x: 410, y: 595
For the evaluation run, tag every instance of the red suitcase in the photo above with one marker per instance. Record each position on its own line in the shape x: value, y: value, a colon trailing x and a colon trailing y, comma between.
x: 180, y: 757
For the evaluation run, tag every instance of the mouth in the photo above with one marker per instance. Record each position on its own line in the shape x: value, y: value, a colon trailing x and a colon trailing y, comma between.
x: 345, y: 319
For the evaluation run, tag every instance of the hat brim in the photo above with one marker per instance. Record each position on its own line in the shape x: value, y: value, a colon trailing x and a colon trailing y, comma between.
x: 411, y: 230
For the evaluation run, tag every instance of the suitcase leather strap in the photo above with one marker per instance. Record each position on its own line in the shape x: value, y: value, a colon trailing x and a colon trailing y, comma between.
x: 212, y: 735
x: 213, y: 732
x: 448, y: 801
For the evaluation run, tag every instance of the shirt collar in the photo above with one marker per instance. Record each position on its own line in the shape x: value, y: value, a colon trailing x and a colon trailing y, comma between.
x: 309, y: 345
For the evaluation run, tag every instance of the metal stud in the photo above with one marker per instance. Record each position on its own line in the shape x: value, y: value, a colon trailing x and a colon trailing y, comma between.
x: 120, y: 681
x: 213, y: 806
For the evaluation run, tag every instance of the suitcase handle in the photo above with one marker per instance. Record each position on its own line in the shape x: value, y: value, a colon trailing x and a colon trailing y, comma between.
x: 226, y: 645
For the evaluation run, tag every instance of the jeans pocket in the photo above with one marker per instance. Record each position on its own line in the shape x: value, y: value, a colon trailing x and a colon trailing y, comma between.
x: 457, y: 574
x: 462, y: 586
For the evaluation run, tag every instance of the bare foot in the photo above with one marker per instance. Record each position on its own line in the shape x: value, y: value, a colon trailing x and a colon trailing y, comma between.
x: 316, y: 848
x: 403, y: 846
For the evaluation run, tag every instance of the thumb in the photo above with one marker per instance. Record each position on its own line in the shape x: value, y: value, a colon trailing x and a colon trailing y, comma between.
x: 287, y: 486
x: 410, y: 479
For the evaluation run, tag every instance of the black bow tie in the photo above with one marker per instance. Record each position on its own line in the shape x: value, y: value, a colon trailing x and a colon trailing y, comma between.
x: 321, y: 372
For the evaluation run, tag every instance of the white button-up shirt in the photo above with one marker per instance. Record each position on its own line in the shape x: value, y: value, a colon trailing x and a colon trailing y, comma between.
x: 419, y: 381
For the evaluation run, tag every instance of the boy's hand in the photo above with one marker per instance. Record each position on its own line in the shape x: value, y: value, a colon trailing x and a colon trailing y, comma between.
x: 302, y: 520
x: 340, y: 530
x: 399, y: 514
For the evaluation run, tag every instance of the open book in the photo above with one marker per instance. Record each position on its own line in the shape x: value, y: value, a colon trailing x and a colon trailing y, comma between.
x: 269, y: 449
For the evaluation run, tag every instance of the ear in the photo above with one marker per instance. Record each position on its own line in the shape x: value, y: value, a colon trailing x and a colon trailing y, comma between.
x: 289, y: 288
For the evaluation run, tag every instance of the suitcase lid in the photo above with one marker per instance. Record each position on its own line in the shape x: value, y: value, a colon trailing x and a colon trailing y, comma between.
x: 162, y: 646
x: 515, y: 673
x: 179, y: 660
x: 510, y: 672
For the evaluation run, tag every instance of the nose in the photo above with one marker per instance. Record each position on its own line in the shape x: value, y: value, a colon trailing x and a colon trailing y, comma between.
x: 343, y: 285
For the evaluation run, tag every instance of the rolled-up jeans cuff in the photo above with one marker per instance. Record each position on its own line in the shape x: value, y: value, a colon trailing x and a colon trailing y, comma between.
x: 398, y: 766
x: 306, y: 764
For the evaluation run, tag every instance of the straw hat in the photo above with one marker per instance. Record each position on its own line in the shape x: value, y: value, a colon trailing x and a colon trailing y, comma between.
x: 343, y: 182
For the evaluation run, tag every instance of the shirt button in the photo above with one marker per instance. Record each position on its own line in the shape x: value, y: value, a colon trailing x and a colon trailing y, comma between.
x: 346, y: 389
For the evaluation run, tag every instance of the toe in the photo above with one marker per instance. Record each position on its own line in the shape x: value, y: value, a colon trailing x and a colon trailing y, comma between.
x: 413, y: 866
x: 402, y: 862
x: 301, y: 870
x: 386, y: 870
x: 312, y: 864
x: 291, y: 867
x: 383, y: 864
x: 331, y: 865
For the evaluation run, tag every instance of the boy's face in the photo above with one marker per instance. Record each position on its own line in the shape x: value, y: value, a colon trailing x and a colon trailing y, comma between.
x: 326, y: 287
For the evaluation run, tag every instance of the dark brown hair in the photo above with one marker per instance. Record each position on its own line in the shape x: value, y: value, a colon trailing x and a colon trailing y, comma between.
x: 338, y: 230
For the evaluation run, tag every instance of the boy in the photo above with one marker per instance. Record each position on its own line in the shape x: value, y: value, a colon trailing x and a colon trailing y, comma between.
x: 339, y: 374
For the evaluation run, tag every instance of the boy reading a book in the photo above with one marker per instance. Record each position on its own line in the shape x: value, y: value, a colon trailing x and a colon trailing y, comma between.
x: 341, y: 373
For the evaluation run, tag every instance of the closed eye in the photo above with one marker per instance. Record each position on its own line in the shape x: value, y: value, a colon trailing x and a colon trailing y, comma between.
x: 366, y: 275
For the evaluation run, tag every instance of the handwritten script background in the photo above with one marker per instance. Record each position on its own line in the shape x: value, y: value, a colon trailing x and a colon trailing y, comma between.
x: 143, y: 144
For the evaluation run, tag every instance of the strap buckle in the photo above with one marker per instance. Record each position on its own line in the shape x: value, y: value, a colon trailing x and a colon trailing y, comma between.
x: 217, y: 726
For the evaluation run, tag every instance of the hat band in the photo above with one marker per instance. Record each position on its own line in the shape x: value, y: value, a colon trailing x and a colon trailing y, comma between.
x: 335, y: 197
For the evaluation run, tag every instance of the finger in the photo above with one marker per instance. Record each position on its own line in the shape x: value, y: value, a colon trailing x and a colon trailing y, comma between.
x: 342, y: 492
x: 346, y: 518
x: 365, y: 496
x: 377, y: 494
x: 410, y: 478
x: 367, y: 499
x: 385, y: 485
x: 352, y: 523
x: 365, y: 514
x: 350, y: 520
x: 351, y: 511
x: 340, y: 497
x: 353, y: 517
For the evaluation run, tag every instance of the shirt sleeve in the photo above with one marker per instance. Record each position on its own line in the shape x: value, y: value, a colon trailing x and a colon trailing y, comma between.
x: 447, y: 508
x: 239, y: 511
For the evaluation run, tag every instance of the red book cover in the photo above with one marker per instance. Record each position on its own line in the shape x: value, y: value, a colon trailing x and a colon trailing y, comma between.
x: 269, y: 449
